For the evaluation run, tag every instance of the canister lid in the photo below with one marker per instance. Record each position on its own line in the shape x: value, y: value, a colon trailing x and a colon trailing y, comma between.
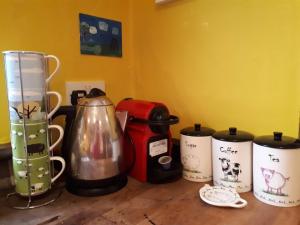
x: 197, y: 131
x: 233, y: 135
x: 277, y: 141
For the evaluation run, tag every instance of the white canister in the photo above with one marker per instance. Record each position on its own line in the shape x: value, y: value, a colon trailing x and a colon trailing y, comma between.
x: 276, y: 170
x: 232, y: 159
x: 195, y: 148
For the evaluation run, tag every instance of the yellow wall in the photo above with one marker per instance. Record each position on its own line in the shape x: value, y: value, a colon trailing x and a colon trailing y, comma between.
x: 221, y: 63
x: 52, y: 26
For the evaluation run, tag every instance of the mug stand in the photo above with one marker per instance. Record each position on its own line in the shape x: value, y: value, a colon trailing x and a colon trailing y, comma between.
x: 16, y: 201
x: 30, y: 200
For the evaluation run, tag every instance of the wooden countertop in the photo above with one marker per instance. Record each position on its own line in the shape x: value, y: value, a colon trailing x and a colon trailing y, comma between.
x: 175, y: 203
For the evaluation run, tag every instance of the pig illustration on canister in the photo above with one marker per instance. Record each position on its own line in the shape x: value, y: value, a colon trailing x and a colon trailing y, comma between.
x: 275, y: 181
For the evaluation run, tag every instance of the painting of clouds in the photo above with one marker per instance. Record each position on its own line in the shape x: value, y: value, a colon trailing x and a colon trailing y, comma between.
x: 99, y: 36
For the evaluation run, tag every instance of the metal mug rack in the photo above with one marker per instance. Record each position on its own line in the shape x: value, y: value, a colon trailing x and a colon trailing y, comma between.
x: 14, y: 199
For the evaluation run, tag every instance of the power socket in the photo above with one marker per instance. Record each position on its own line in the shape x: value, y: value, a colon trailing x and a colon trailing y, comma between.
x: 82, y: 85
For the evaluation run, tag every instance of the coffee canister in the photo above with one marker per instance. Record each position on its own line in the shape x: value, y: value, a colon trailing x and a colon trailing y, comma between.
x: 195, y: 147
x: 232, y: 159
x: 276, y: 173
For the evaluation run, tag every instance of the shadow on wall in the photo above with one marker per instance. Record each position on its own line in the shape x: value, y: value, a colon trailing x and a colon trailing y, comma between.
x: 171, y: 3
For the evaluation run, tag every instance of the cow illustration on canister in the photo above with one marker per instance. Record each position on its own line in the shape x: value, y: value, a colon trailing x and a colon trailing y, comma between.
x: 275, y: 181
x: 231, y: 171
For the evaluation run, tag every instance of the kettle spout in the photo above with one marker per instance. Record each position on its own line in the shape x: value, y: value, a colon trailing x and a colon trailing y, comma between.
x: 122, y: 117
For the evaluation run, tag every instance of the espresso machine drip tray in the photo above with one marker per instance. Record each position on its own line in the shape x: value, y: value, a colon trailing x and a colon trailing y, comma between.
x: 159, y: 175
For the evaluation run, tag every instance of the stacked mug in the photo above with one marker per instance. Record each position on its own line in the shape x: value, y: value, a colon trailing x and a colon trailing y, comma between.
x: 27, y: 78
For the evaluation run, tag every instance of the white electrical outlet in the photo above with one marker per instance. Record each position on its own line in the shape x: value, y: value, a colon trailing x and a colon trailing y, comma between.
x: 82, y: 85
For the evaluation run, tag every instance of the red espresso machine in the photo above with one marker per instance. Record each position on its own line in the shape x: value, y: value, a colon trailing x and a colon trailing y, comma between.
x: 148, y: 139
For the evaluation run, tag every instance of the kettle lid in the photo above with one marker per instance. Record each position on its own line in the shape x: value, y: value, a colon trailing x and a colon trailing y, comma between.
x: 95, y: 97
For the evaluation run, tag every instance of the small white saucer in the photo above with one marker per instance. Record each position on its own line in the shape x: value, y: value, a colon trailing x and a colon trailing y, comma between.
x: 221, y: 196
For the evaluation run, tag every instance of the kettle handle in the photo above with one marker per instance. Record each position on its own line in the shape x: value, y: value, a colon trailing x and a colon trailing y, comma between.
x: 130, y: 167
x: 70, y: 113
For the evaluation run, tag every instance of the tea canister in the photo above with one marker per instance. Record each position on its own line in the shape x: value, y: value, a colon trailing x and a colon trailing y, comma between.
x: 195, y: 147
x: 232, y: 159
x: 276, y: 170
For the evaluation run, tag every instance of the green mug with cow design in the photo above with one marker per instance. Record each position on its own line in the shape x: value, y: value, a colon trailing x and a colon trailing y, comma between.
x: 39, y: 173
x: 37, y: 139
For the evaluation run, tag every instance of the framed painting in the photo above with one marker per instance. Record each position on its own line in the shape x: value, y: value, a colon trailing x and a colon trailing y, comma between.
x: 99, y: 36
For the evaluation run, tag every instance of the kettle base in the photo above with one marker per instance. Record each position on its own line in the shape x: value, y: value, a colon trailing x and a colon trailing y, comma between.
x: 95, y: 187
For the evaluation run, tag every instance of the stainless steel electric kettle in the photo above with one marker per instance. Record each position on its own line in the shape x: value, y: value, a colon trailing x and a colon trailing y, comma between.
x: 94, y: 146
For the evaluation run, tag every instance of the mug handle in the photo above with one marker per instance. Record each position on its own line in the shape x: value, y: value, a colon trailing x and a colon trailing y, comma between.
x: 61, y: 134
x: 63, y: 166
x: 59, y: 100
x: 57, y: 66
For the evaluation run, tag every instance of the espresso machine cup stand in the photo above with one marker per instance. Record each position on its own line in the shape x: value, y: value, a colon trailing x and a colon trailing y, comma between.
x: 17, y: 201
